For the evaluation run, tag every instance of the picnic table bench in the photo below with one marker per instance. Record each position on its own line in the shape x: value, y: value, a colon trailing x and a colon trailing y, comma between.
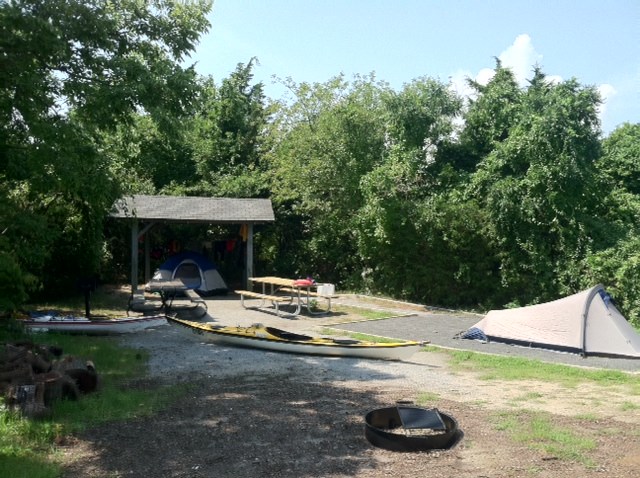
x: 198, y: 301
x: 138, y: 302
x: 310, y: 293
x: 274, y: 299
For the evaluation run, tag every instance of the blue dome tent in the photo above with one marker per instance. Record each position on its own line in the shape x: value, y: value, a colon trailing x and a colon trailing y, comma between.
x: 195, y: 270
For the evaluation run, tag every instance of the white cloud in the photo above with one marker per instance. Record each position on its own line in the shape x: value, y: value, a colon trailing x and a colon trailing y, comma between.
x: 607, y: 92
x: 553, y: 79
x: 520, y: 57
x: 484, y: 76
x: 458, y: 83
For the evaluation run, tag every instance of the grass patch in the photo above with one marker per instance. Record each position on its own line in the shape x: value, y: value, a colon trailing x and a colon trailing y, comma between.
x: 537, y: 431
x: 361, y: 313
x: 358, y: 336
x: 425, y: 398
x: 494, y: 367
x: 588, y: 417
x: 27, y: 466
x: 627, y: 406
x: 108, y: 301
x: 527, y: 397
x: 28, y: 446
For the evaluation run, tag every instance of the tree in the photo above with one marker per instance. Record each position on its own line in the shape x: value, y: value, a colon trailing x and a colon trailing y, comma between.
x: 538, y: 187
x: 421, y: 113
x: 328, y: 138
x: 620, y: 160
x: 492, y: 114
x: 70, y: 69
x: 144, y: 159
x: 415, y: 225
x: 228, y: 134
x: 616, y: 260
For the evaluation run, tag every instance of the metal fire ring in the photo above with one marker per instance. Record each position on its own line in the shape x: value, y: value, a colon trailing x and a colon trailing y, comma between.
x: 400, y: 428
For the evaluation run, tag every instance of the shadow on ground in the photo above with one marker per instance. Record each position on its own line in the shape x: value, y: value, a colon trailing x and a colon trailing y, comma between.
x: 246, y: 426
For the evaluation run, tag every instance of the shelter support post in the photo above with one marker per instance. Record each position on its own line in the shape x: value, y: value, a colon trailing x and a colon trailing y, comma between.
x: 134, y: 257
x: 136, y: 234
x: 249, y: 262
x: 147, y: 261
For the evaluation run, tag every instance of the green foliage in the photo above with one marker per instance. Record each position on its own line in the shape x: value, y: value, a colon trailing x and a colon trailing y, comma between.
x: 69, y: 71
x: 27, y: 465
x: 539, y: 190
x: 619, y: 268
x: 420, y: 114
x: 330, y: 136
x: 619, y: 161
x: 616, y: 262
x: 12, y: 286
x: 228, y: 135
x: 492, y: 114
x: 413, y: 225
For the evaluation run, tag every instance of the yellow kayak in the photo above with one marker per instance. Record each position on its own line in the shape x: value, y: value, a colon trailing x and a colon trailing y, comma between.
x: 271, y: 338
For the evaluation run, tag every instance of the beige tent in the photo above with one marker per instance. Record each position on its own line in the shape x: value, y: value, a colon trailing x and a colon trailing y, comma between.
x: 588, y: 323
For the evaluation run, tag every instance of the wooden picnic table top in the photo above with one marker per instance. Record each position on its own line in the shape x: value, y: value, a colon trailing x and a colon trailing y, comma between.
x: 165, y: 285
x: 280, y: 282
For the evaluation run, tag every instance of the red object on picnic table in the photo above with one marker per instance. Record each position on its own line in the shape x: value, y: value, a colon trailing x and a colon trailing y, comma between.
x: 303, y: 282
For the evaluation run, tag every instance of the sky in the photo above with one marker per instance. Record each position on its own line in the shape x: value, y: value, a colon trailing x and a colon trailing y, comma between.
x: 596, y: 42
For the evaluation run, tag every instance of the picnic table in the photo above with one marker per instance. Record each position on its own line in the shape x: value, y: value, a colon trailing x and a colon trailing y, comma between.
x: 170, y: 289
x: 288, y: 292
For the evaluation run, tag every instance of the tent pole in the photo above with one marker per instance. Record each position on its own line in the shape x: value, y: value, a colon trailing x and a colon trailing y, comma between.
x: 249, y: 262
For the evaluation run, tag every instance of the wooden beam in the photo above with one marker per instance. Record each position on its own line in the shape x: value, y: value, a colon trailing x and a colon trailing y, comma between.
x: 249, y: 261
x: 134, y: 256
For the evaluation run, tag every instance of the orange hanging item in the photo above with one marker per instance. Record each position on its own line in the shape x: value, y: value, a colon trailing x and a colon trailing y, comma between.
x: 244, y: 232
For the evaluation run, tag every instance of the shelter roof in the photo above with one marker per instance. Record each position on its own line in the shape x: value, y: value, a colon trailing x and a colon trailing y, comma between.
x: 194, y: 209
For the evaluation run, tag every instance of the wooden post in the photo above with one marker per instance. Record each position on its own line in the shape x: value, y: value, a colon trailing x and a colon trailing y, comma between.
x: 249, y: 265
x: 134, y: 256
x: 147, y: 254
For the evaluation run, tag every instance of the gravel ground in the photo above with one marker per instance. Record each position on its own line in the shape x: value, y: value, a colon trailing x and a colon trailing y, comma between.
x: 407, y: 321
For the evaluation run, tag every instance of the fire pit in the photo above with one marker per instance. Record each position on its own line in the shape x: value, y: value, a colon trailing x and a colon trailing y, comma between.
x: 410, y: 428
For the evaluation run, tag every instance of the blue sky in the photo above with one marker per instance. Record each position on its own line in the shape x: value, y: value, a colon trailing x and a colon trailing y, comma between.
x: 597, y: 42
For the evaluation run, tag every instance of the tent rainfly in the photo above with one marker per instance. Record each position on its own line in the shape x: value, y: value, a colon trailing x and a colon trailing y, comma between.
x: 587, y: 323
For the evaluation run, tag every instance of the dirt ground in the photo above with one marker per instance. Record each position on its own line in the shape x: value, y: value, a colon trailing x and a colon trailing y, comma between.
x: 287, y: 427
x: 250, y: 413
x: 298, y: 425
